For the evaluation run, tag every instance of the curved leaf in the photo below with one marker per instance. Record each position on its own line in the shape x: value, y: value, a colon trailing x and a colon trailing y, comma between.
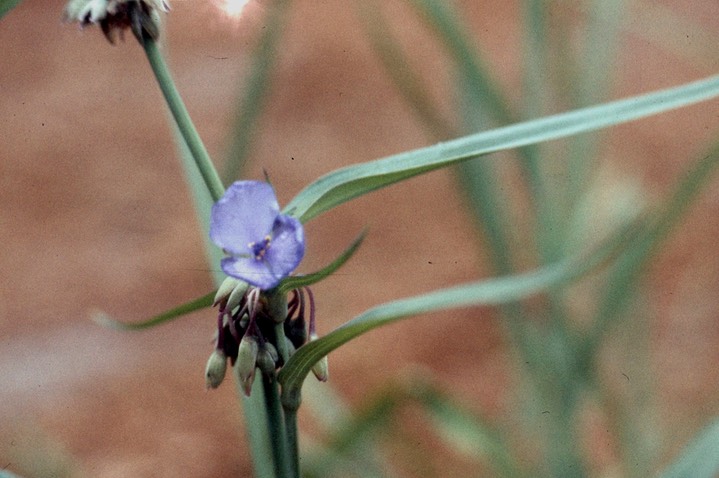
x: 309, y: 279
x: 487, y: 292
x: 350, y: 182
x: 197, y: 304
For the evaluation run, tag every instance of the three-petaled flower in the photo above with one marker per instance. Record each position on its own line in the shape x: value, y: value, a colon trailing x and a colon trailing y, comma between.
x: 265, y: 246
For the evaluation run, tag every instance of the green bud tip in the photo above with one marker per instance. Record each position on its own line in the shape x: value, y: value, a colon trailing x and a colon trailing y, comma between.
x: 235, y: 297
x: 224, y: 291
x: 215, y: 369
x: 247, y: 362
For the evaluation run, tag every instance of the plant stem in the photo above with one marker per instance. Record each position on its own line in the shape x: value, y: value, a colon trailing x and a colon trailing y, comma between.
x: 182, y: 117
x: 276, y: 425
x: 293, y: 439
x: 282, y: 416
x: 258, y: 434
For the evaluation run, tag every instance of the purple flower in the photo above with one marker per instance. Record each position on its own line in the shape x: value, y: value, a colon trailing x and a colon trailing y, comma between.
x: 265, y: 246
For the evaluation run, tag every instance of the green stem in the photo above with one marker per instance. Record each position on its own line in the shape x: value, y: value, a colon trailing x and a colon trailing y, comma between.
x: 276, y: 425
x: 258, y: 434
x: 182, y: 117
x: 277, y: 309
x: 292, y: 438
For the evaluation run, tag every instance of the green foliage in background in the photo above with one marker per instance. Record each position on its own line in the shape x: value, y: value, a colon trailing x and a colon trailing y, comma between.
x: 557, y: 156
x: 562, y: 360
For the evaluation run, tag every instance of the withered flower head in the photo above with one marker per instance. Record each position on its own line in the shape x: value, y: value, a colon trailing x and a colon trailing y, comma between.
x: 116, y: 15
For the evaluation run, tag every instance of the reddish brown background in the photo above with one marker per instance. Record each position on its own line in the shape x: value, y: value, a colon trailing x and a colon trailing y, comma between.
x: 94, y: 214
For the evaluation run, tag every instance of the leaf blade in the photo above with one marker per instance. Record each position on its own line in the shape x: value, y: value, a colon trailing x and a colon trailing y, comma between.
x: 494, y: 291
x: 302, y: 281
x: 174, y: 313
x: 350, y: 182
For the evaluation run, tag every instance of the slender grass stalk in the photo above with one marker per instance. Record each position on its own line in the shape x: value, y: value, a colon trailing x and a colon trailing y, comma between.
x: 182, y: 117
x: 263, y: 438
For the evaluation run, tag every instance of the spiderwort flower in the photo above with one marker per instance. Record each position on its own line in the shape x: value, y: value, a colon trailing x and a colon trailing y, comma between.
x: 264, y: 245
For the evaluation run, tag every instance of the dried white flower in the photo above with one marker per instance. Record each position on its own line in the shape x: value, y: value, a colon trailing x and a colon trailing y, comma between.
x: 112, y: 15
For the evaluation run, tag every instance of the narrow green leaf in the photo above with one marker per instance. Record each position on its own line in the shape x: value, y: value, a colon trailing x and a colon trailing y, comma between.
x: 309, y: 279
x: 487, y: 292
x: 197, y: 304
x: 700, y: 459
x: 347, y: 183
x: 7, y: 5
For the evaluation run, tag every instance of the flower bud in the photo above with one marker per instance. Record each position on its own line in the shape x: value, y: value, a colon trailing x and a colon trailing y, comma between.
x: 224, y: 291
x: 247, y: 362
x: 236, y: 295
x: 215, y: 369
x: 290, y: 347
x: 321, y: 368
x: 267, y: 358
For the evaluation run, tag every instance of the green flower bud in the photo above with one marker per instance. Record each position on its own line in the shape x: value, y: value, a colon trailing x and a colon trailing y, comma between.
x: 320, y: 369
x: 235, y: 297
x: 290, y: 347
x: 215, y: 369
x: 247, y: 362
x: 267, y: 358
x: 224, y: 291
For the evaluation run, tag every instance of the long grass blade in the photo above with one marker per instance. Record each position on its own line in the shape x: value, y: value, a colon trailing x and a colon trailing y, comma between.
x: 350, y: 182
x: 184, y: 309
x: 486, y: 293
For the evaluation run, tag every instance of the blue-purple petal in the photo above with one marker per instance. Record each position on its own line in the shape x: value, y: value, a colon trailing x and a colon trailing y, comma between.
x: 288, y: 246
x: 245, y: 214
x: 254, y: 272
x: 249, y: 214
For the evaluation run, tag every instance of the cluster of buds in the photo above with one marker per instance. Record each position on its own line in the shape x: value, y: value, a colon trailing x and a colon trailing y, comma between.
x: 247, y: 333
x: 141, y: 16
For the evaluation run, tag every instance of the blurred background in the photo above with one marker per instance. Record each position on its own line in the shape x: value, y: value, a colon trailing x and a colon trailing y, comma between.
x: 95, y: 216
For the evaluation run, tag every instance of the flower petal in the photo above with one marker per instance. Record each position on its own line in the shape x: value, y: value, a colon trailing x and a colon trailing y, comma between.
x: 250, y: 270
x: 281, y: 258
x: 245, y: 214
x: 287, y: 247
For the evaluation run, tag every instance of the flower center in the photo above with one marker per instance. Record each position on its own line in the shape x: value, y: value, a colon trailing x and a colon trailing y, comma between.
x: 259, y: 249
